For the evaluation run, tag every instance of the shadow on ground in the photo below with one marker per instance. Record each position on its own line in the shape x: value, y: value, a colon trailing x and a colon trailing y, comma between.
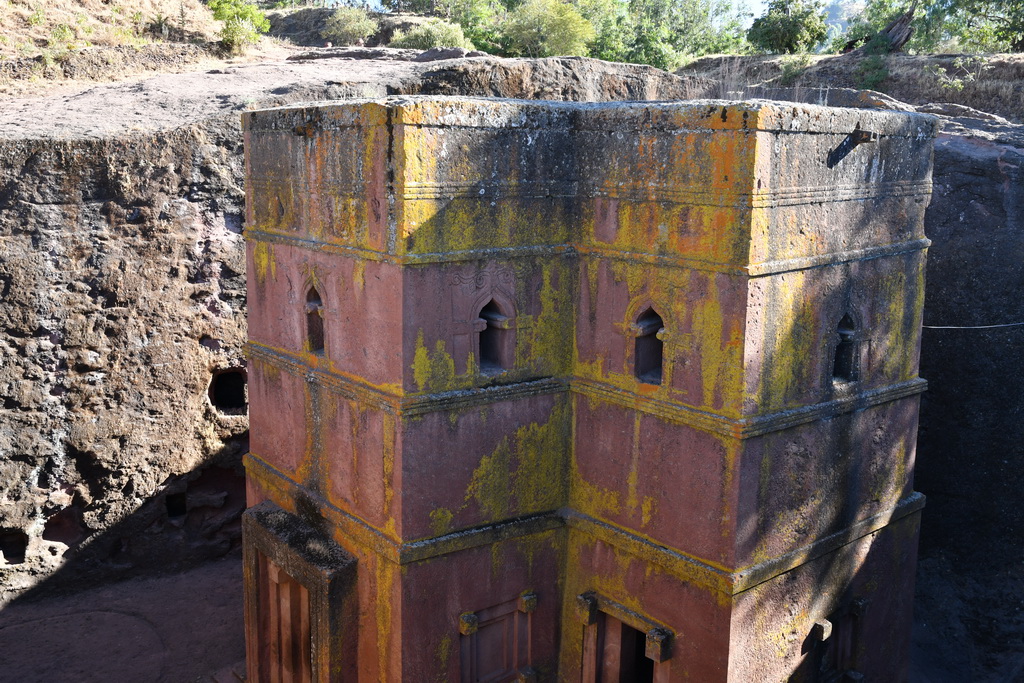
x: 156, y: 598
x: 165, y: 629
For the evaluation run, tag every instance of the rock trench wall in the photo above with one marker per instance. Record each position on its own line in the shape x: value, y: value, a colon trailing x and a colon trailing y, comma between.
x: 971, y: 576
x: 122, y: 307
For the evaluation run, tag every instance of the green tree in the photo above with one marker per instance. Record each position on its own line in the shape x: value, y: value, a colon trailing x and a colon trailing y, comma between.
x: 434, y: 33
x: 614, y: 28
x: 946, y: 25
x: 669, y: 31
x: 480, y: 20
x: 1004, y: 19
x: 789, y: 27
x: 543, y: 28
x: 349, y: 25
x: 243, y: 22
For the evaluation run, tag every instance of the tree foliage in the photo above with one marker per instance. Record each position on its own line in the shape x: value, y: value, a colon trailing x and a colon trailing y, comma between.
x: 434, y: 33
x: 243, y: 22
x: 479, y: 19
x: 543, y: 28
x: 662, y: 33
x: 789, y: 27
x: 349, y: 25
x: 1003, y: 18
x: 947, y: 25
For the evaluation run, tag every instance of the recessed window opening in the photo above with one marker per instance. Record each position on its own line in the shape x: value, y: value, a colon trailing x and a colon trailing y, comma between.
x: 13, y: 544
x: 492, y: 338
x: 314, y: 322
x: 648, y: 357
x: 844, y: 368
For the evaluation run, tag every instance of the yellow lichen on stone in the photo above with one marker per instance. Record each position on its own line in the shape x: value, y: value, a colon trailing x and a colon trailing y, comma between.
x: 432, y: 370
x: 441, y: 521
x: 589, y: 498
x: 389, y: 472
x: 263, y: 260
x: 524, y: 473
x: 443, y: 653
x: 385, y: 585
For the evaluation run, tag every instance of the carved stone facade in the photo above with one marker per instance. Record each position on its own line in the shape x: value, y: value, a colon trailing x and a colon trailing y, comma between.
x: 583, y: 391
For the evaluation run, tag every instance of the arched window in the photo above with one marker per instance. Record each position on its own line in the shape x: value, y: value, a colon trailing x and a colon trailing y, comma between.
x: 314, y: 322
x: 844, y: 366
x: 648, y: 356
x: 493, y: 339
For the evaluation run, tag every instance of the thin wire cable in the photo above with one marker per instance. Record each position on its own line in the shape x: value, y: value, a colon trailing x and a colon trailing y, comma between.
x: 969, y: 327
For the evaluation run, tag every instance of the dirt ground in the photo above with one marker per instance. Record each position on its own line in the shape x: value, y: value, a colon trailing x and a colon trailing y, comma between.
x: 180, y: 628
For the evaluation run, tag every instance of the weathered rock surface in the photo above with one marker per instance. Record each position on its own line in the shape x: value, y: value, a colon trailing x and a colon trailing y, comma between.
x: 970, y: 462
x: 122, y: 301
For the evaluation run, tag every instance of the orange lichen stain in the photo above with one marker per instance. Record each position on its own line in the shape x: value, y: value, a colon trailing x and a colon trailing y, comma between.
x: 263, y: 260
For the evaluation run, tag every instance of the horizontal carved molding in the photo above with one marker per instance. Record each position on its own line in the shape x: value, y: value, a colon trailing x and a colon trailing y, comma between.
x: 748, y: 427
x: 692, y: 195
x: 675, y: 562
x: 365, y: 534
x: 399, y: 404
x: 670, y: 193
x: 678, y: 413
x: 739, y: 428
x: 734, y: 581
x: 760, y: 269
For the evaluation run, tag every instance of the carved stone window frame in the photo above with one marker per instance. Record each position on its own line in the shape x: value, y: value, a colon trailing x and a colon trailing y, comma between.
x: 854, y: 336
x: 633, y: 330
x: 590, y: 607
x: 504, y: 323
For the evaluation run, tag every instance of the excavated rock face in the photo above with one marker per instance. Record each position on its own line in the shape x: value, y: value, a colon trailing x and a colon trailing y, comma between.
x: 971, y: 579
x: 122, y: 309
x: 120, y: 327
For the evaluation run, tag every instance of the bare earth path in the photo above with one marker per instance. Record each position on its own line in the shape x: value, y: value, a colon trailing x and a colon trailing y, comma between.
x: 167, y: 629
